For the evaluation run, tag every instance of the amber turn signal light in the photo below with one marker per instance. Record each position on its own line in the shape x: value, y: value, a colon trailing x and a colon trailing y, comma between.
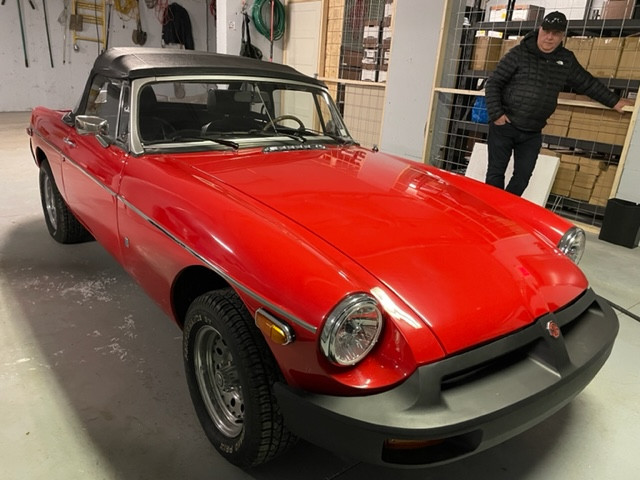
x: 272, y: 328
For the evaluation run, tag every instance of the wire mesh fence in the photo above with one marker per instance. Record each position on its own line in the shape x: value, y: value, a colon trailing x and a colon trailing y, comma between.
x: 357, y: 53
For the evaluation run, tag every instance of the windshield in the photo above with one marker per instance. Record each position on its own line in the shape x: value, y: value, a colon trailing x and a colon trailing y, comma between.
x: 235, y: 114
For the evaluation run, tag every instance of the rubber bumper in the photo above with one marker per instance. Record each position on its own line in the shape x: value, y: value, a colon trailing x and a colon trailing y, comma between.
x: 465, y: 403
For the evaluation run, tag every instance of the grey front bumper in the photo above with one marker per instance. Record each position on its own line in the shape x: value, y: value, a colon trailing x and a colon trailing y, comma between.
x: 464, y: 403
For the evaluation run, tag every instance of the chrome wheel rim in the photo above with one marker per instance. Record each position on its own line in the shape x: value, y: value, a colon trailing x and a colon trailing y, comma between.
x: 49, y: 201
x: 218, y: 381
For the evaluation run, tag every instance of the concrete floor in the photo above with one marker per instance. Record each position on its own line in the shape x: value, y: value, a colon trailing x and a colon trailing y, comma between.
x: 92, y: 383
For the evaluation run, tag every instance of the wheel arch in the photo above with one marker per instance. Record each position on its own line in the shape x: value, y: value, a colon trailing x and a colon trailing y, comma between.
x: 189, y: 284
x: 40, y: 156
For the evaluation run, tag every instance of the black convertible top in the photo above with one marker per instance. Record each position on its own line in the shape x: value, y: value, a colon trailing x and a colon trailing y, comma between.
x: 138, y: 62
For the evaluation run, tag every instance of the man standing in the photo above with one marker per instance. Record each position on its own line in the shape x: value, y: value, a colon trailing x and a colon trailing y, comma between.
x: 522, y: 94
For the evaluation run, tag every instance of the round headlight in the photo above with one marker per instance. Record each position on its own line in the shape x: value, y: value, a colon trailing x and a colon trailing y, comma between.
x: 572, y: 243
x: 351, y: 330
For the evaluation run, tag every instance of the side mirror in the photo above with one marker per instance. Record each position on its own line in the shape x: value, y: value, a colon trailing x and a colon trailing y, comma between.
x: 90, y: 125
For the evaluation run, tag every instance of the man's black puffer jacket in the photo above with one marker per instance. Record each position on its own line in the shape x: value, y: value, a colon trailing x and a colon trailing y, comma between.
x: 526, y: 83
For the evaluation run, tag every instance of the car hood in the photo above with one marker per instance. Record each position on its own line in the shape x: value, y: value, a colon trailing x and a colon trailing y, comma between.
x: 468, y: 271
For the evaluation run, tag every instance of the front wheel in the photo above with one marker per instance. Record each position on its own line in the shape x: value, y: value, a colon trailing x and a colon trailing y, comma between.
x: 230, y: 372
x: 61, y: 223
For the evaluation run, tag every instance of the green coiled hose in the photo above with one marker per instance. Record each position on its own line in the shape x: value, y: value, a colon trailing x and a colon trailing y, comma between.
x: 263, y: 22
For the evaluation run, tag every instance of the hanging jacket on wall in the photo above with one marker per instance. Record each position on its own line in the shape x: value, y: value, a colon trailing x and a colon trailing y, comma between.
x: 176, y: 27
x: 527, y: 81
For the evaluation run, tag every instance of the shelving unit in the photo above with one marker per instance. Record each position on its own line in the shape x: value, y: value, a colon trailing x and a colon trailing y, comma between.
x: 459, y: 132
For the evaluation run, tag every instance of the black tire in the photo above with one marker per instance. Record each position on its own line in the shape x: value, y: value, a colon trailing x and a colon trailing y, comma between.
x: 230, y: 372
x: 62, y: 225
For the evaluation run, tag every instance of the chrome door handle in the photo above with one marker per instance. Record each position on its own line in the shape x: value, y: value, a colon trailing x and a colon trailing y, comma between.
x: 69, y: 142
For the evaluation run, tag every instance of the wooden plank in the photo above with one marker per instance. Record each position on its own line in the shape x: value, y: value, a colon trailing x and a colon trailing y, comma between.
x: 561, y: 101
x: 445, y: 27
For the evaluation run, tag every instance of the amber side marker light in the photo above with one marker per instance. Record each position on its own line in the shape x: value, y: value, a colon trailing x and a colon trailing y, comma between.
x: 275, y: 330
x: 404, y: 451
x: 398, y: 444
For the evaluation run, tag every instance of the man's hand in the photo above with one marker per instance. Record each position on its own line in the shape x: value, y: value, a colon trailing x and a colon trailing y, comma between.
x: 623, y: 102
x: 503, y: 119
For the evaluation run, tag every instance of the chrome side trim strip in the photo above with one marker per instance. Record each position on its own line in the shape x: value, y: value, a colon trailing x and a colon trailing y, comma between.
x: 78, y: 167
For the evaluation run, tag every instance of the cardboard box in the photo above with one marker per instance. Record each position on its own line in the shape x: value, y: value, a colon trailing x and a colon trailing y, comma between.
x: 370, y: 55
x: 522, y: 13
x: 584, y: 180
x: 598, y: 125
x: 591, y: 166
x: 371, y: 35
x: 618, y: 9
x: 629, y: 65
x: 386, y: 37
x: 570, y: 160
x: 351, y: 73
x: 351, y: 57
x: 591, y: 134
x: 561, y: 187
x: 367, y: 74
x: 605, y: 57
x: 388, y: 9
x: 486, y: 53
x: 564, y: 178
x: 549, y: 152
x: 558, y: 122
x: 604, y: 183
x: 580, y: 193
x: 555, y: 130
x: 508, y: 44
x: 581, y: 48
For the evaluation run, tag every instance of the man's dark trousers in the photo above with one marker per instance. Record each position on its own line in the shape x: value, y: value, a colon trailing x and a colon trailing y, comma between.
x: 504, y: 139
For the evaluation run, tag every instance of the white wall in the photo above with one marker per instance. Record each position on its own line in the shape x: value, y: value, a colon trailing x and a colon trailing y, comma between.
x: 23, y: 88
x: 414, y: 51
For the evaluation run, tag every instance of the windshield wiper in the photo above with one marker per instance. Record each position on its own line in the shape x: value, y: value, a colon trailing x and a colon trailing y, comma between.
x: 342, y: 140
x: 298, y: 137
x: 338, y: 138
x: 195, y: 138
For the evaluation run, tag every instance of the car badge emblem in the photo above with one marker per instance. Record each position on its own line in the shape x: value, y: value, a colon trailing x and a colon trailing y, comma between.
x: 553, y: 329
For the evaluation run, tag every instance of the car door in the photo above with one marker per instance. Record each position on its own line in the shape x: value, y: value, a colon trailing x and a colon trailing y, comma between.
x: 93, y: 165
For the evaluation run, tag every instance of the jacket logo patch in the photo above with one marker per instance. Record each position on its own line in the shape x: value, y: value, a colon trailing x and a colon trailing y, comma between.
x: 560, y: 62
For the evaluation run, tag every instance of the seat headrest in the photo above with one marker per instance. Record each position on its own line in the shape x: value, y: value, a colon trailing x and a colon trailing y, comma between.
x: 211, y: 99
x: 148, y: 99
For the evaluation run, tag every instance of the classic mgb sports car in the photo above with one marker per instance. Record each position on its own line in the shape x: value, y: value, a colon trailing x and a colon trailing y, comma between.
x: 384, y: 309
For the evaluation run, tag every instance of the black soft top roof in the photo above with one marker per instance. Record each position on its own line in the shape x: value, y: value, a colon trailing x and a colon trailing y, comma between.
x: 137, y: 62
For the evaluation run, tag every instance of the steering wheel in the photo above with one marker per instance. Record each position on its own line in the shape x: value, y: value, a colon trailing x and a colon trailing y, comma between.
x: 272, y: 123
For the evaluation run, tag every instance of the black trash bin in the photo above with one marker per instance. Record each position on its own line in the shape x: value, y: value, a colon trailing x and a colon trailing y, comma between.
x: 621, y: 223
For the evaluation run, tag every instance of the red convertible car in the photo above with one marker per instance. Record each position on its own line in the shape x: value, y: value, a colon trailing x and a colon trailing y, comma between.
x: 378, y: 307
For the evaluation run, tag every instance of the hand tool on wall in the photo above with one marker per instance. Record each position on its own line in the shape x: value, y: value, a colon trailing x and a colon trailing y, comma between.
x: 62, y: 20
x: 24, y: 44
x: 46, y: 26
x: 139, y: 36
x: 106, y: 42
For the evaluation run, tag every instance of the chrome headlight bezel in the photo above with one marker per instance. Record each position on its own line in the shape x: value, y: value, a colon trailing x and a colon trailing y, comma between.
x: 351, y: 330
x: 572, y: 243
